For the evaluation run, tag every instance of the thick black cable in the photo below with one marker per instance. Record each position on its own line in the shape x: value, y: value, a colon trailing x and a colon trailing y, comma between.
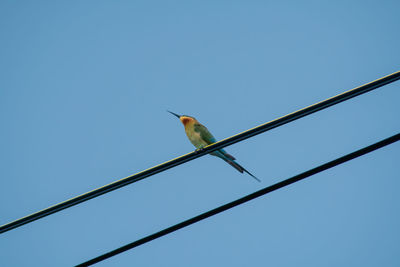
x: 247, y: 198
x: 190, y: 156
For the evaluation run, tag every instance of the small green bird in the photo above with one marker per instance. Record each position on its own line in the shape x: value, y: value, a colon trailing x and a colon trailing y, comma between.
x: 200, y: 137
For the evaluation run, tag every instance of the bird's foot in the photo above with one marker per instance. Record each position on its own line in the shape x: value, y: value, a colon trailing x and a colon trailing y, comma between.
x: 198, y: 150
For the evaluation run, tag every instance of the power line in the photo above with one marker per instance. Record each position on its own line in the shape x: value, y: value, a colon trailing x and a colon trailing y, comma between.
x: 195, y: 154
x: 244, y: 199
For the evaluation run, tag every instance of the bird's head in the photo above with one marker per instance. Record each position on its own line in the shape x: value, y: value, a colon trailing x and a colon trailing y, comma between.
x: 185, y: 119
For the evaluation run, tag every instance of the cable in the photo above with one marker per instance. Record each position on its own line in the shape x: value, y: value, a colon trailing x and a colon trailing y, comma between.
x: 244, y: 199
x: 195, y: 154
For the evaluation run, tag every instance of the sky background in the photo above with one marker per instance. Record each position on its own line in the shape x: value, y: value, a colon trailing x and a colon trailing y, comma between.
x: 84, y: 89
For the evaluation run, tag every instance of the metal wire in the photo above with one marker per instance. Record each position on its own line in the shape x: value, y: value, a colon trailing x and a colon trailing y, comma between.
x: 190, y: 156
x: 247, y: 198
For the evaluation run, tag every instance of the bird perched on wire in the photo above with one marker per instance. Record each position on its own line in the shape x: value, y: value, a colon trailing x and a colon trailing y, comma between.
x: 200, y: 137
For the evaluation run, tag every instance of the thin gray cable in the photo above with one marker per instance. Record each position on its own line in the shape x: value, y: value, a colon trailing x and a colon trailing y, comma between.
x: 190, y: 156
x: 244, y: 199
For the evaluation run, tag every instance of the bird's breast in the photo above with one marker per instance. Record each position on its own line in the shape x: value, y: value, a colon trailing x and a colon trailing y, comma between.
x: 195, y: 137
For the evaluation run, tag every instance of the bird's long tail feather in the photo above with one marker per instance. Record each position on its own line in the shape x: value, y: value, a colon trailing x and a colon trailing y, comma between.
x: 238, y: 167
x: 230, y: 159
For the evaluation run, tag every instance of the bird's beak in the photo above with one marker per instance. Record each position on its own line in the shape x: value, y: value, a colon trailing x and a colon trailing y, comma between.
x: 178, y: 116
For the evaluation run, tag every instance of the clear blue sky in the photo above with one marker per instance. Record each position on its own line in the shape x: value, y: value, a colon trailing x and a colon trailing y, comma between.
x: 84, y: 88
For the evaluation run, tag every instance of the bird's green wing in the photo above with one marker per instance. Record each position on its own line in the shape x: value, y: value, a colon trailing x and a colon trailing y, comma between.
x: 209, y: 139
x: 204, y: 133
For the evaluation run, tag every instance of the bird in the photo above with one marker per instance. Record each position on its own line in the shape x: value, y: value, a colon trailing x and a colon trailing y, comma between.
x: 200, y: 137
